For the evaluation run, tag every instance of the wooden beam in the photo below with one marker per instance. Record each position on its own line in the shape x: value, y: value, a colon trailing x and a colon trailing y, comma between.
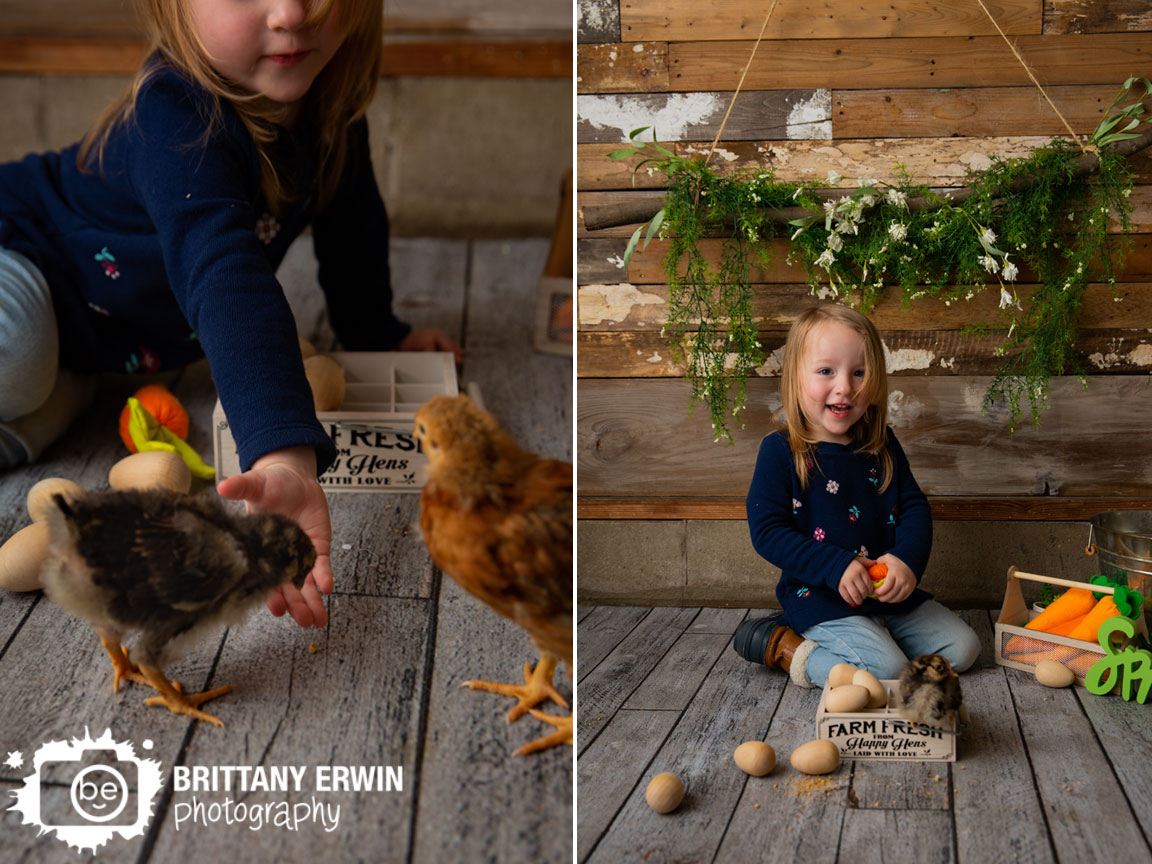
x: 480, y: 58
x: 944, y: 508
x: 679, y: 20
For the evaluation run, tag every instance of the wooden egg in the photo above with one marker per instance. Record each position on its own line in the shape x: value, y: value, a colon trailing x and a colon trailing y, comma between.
x: 816, y: 757
x: 150, y: 469
x: 326, y: 379
x: 307, y: 349
x: 879, y: 696
x: 23, y: 556
x: 755, y: 758
x: 665, y: 792
x: 1053, y: 674
x: 841, y: 673
x: 40, y: 502
x: 847, y: 697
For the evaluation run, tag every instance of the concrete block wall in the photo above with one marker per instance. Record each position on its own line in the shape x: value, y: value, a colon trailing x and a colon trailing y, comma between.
x: 453, y: 156
x: 712, y: 562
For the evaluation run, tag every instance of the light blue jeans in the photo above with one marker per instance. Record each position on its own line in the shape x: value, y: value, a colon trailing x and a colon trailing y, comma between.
x: 37, y: 400
x: 883, y: 644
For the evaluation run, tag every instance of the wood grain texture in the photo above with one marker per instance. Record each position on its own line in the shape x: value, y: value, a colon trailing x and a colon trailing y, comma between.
x: 671, y: 685
x: 1096, y: 16
x: 877, y: 836
x: 680, y: 20
x: 598, y: 21
x: 993, y: 746
x: 647, y: 354
x: 942, y: 113
x: 970, y: 508
x: 118, y: 55
x: 931, y: 161
x: 754, y: 116
x: 734, y: 704
x: 980, y: 61
x: 468, y: 746
x: 647, y: 265
x: 1053, y: 726
x: 601, y: 630
x: 1122, y: 729
x: 636, y: 438
x: 607, y: 772
x: 786, y: 816
x: 616, y: 68
x: 604, y: 689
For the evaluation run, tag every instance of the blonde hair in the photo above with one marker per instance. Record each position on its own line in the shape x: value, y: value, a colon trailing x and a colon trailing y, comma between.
x: 870, y: 432
x: 340, y: 94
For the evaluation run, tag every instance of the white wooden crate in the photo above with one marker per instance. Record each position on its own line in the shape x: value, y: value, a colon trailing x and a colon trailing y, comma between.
x: 882, y: 733
x: 376, y: 450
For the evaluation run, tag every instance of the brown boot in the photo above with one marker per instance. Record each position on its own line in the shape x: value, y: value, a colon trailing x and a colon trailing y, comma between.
x: 782, y: 644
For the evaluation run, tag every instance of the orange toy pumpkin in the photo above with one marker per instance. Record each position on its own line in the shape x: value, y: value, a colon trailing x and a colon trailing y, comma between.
x: 158, y: 401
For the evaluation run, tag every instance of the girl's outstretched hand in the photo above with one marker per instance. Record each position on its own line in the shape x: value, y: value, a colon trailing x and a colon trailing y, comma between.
x: 284, y: 481
x: 430, y: 339
x: 898, y: 584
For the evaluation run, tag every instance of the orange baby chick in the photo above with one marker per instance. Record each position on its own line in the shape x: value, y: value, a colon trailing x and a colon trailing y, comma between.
x: 498, y: 520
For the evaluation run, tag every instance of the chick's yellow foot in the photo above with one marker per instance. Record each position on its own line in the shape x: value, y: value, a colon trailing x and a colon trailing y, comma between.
x: 562, y: 735
x: 172, y: 697
x: 536, y: 688
x: 122, y: 667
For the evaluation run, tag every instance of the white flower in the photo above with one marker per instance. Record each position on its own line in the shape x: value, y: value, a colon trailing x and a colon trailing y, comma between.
x: 898, y: 231
x: 990, y: 263
x: 1010, y: 271
x: 835, y: 243
x: 989, y: 236
x: 900, y: 199
x: 833, y: 179
x: 833, y: 487
x: 830, y: 207
x: 866, y: 181
x: 867, y: 200
x: 1007, y: 299
x: 826, y: 260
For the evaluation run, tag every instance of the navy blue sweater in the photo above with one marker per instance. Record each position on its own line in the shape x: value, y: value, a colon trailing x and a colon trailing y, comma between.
x: 812, y: 535
x: 168, y: 254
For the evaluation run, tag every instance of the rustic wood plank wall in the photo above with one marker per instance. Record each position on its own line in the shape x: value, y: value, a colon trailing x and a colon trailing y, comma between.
x: 859, y: 90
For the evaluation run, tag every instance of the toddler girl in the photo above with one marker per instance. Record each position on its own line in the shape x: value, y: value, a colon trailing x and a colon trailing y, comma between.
x: 155, y: 240
x: 832, y: 494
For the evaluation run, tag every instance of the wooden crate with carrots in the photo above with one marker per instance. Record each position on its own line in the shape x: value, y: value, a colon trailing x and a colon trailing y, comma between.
x: 1065, y: 631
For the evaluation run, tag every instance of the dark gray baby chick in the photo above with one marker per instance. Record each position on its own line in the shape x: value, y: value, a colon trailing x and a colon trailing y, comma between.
x: 170, y: 568
x: 929, y: 690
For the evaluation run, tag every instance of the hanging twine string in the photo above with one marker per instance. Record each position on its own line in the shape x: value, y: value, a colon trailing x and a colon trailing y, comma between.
x: 740, y: 84
x: 1043, y: 93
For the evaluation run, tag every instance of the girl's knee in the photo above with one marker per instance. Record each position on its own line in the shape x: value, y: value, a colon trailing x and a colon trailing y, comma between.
x: 29, y: 344
x: 963, y: 650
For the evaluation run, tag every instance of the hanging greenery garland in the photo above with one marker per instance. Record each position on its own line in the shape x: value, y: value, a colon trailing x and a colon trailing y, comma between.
x: 1048, y: 212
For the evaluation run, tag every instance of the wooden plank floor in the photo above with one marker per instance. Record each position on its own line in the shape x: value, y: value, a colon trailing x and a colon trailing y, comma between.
x: 383, y: 685
x: 1042, y: 775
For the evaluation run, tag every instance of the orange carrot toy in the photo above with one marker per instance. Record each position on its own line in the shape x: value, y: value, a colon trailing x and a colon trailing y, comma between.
x: 161, y: 404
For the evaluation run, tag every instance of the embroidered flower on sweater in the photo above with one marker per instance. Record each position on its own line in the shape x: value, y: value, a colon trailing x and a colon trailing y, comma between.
x: 833, y: 487
x: 872, y: 478
x: 99, y: 309
x: 111, y: 269
x: 819, y: 535
x: 796, y: 505
x: 803, y: 592
x: 853, y: 513
x: 267, y: 228
x: 864, y: 552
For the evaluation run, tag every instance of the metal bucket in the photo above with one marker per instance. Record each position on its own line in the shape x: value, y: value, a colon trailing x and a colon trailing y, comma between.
x: 1123, y: 540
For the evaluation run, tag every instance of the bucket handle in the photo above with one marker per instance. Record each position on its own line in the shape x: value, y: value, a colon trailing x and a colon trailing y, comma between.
x: 1090, y: 549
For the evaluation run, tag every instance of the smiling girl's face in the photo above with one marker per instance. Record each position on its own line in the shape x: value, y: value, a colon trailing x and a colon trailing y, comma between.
x: 831, y: 378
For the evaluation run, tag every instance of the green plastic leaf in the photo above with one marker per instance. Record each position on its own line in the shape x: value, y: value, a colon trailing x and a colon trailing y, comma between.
x: 632, y: 245
x: 654, y: 226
